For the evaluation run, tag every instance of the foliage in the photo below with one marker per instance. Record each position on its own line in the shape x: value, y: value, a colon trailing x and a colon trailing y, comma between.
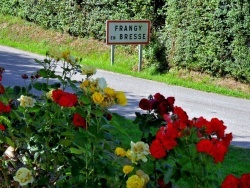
x: 55, y: 133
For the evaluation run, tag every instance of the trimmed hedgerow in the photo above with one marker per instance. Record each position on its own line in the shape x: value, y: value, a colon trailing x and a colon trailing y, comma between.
x: 210, y: 36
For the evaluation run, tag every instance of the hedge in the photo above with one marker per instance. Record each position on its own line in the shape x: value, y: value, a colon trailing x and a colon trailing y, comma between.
x: 210, y: 36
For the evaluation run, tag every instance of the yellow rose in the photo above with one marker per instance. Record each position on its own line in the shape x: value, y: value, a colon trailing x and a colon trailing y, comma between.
x: 127, y: 169
x: 128, y: 154
x: 109, y: 91
x: 26, y: 101
x: 135, y: 182
x: 120, y: 152
x: 121, y: 98
x: 23, y: 176
x: 97, y: 98
x: 84, y: 84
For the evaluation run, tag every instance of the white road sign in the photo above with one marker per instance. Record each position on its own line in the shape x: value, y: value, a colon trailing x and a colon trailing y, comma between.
x: 127, y: 32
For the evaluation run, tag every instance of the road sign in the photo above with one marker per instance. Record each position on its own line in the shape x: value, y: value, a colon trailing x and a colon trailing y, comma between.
x: 127, y: 31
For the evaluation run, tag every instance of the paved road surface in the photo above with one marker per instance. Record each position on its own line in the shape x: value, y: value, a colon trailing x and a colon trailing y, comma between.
x: 234, y: 112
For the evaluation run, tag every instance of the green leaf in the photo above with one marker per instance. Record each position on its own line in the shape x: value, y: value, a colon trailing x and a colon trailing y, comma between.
x: 65, y: 142
x: 10, y: 142
x: 76, y: 151
x: 38, y: 86
x: 168, y: 174
x: 98, y: 112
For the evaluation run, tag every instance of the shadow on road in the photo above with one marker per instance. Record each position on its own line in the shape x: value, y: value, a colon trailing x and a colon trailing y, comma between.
x: 16, y: 65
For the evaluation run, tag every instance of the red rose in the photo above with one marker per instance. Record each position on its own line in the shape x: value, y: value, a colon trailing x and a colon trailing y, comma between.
x: 56, y: 95
x: 227, y: 139
x: 218, y: 127
x: 2, y: 127
x: 245, y: 181
x: 167, y: 135
x: 7, y: 108
x: 219, y: 151
x: 144, y: 104
x: 1, y: 89
x: 200, y: 122
x: 205, y: 146
x: 230, y: 182
x: 68, y: 100
x: 157, y: 150
x: 163, y: 108
x: 182, y: 115
x: 79, y: 121
x: 4, y: 108
x: 159, y: 97
x: 64, y: 99
x: 171, y: 102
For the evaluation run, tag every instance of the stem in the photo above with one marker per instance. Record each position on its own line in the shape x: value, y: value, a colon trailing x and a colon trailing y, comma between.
x: 5, y: 175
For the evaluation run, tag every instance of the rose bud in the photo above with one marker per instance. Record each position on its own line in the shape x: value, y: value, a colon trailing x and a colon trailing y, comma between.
x: 24, y: 76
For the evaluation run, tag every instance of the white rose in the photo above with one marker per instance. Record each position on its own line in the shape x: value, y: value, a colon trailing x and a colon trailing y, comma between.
x: 23, y: 176
x: 26, y: 101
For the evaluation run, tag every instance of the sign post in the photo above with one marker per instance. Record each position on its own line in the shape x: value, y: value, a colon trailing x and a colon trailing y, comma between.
x: 127, y: 32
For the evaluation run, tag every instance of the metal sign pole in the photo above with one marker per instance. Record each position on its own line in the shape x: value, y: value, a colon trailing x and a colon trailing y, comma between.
x: 112, y: 47
x: 140, y: 57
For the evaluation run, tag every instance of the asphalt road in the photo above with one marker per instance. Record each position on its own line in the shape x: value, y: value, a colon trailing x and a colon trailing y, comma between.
x: 233, y: 111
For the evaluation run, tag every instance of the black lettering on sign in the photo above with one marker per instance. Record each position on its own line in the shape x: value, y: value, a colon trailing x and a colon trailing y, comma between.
x: 116, y: 27
x: 120, y: 28
x: 121, y: 36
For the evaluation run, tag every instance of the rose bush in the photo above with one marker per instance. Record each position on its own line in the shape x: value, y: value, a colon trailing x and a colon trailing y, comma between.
x: 55, y: 131
x: 183, y: 152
